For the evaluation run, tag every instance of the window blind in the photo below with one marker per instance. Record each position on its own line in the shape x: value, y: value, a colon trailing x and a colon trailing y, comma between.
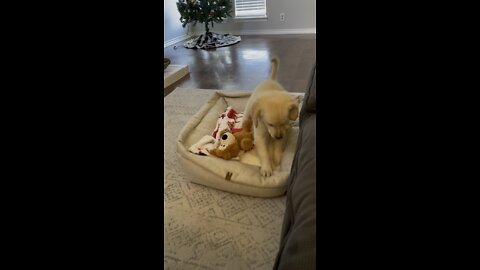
x: 250, y: 8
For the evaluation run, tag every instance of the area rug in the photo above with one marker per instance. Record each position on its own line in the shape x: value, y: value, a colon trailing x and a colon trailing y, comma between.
x: 211, y: 40
x: 205, y: 228
x: 174, y: 73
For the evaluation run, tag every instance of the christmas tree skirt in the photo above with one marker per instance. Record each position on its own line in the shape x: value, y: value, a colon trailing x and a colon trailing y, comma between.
x: 174, y: 73
x: 211, y: 40
x: 235, y: 175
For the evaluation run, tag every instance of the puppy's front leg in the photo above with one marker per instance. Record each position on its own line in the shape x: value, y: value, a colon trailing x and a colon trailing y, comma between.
x: 271, y: 152
x: 261, y: 144
x: 279, y: 146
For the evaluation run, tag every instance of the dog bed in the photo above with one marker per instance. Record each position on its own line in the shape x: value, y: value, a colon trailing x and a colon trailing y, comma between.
x: 241, y: 176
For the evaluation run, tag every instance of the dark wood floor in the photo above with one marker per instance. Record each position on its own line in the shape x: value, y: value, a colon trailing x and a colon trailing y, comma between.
x: 243, y: 65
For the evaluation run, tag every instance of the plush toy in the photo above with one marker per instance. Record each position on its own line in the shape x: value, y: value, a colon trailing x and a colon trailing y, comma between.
x: 230, y: 144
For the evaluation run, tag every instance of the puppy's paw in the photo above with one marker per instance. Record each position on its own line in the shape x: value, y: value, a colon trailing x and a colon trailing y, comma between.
x: 265, y: 171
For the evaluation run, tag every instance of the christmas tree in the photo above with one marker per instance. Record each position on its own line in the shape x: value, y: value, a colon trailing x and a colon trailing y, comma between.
x: 204, y: 11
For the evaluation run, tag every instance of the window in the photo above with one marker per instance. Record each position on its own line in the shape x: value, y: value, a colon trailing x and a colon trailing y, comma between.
x: 250, y: 9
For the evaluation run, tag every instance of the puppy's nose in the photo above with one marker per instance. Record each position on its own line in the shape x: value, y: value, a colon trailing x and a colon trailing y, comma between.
x: 278, y: 137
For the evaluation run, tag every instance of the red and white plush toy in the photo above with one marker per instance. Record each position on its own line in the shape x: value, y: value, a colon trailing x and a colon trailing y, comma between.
x: 230, y: 121
x: 230, y: 144
x: 227, y: 139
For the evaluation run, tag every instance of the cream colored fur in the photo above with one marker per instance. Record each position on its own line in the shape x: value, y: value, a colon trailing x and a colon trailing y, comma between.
x: 270, y: 109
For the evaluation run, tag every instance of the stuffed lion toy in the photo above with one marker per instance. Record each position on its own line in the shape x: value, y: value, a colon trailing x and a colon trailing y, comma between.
x: 230, y: 144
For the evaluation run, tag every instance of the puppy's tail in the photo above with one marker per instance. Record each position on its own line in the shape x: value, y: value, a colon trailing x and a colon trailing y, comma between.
x: 275, y: 64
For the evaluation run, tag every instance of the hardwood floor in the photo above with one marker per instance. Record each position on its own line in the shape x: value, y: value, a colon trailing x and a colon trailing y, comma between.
x: 243, y: 65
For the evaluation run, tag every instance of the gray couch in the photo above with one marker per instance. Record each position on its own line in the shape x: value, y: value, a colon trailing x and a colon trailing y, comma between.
x: 298, y: 237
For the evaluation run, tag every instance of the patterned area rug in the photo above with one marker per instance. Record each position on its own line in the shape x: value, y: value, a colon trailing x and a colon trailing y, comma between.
x: 206, y: 228
x: 211, y: 40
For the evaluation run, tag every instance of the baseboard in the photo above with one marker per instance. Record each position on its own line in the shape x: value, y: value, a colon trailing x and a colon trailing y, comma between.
x: 175, y: 40
x: 265, y: 31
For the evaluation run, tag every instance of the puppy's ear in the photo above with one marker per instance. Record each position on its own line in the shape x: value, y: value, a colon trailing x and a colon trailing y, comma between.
x: 293, y: 111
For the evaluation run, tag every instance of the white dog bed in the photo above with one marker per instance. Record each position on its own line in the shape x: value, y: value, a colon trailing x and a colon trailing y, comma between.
x: 241, y: 176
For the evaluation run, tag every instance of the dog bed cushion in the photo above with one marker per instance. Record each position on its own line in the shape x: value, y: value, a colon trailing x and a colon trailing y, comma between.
x: 231, y: 175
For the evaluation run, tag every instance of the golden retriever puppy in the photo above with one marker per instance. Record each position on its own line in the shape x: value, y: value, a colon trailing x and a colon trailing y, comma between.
x: 270, y: 109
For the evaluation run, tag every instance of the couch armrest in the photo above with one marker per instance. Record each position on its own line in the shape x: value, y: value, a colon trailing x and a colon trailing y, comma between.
x: 310, y: 100
x: 298, y: 238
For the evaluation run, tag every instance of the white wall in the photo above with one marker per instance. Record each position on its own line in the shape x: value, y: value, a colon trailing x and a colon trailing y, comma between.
x: 300, y: 17
x: 171, y: 18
